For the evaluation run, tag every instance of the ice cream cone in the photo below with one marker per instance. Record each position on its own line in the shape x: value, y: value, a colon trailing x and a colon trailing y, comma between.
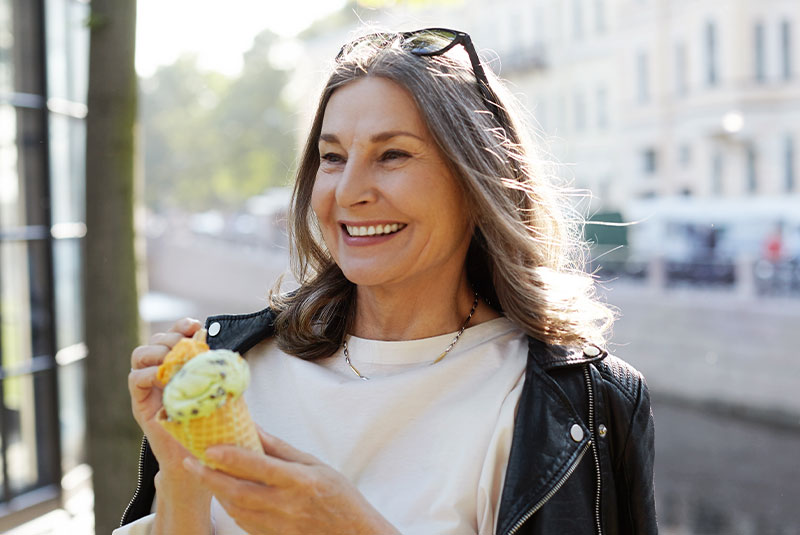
x: 228, y: 424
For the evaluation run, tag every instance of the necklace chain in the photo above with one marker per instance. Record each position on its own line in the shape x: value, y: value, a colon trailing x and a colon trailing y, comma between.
x: 440, y: 357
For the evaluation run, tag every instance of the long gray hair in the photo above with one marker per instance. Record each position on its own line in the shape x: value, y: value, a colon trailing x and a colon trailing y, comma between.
x: 526, y: 254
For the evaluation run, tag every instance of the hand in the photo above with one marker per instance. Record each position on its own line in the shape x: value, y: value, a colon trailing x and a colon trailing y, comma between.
x: 286, y: 491
x: 146, y: 394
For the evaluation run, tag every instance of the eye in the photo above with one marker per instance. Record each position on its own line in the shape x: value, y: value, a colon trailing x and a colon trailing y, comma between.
x: 332, y: 157
x: 394, y: 154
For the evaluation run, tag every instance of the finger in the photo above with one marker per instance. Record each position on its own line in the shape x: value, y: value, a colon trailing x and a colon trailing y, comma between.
x: 145, y: 356
x: 276, y: 447
x: 142, y: 382
x: 229, y: 489
x: 167, y: 339
x: 186, y: 326
x: 253, y: 466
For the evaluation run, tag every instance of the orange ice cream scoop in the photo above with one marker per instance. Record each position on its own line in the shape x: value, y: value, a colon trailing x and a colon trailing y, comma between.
x: 180, y: 354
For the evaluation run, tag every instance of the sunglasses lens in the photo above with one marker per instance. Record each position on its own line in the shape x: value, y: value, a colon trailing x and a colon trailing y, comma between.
x: 429, y: 42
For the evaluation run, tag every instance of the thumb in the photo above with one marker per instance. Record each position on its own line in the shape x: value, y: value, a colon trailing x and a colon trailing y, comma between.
x: 275, y: 447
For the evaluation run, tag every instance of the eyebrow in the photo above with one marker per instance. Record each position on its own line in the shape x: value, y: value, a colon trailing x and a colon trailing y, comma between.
x: 377, y: 138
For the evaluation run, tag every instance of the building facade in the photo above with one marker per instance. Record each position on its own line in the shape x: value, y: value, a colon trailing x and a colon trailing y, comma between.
x: 43, y: 78
x: 688, y: 110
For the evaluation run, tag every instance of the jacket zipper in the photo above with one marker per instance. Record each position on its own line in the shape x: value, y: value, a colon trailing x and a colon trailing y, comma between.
x: 588, y: 377
x: 550, y: 494
x: 139, y: 479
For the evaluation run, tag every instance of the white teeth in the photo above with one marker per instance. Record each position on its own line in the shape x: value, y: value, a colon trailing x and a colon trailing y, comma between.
x: 374, y: 230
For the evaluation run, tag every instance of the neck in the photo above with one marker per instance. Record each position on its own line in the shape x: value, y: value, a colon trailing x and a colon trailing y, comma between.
x: 413, y: 313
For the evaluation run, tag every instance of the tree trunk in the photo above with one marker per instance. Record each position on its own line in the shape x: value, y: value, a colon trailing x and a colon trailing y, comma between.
x: 112, y: 317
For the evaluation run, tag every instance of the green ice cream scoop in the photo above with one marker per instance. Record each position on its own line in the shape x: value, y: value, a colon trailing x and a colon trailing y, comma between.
x: 204, y: 383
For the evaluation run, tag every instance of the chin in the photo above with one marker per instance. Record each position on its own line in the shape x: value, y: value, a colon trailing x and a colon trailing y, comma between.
x: 364, y: 278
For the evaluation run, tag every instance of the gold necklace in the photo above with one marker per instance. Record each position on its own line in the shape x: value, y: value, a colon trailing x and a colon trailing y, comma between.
x: 446, y: 351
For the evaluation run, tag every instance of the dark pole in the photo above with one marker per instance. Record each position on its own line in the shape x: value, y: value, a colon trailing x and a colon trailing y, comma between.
x: 112, y: 316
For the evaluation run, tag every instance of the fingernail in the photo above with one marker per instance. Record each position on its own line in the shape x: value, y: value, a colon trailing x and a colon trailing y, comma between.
x: 190, y: 464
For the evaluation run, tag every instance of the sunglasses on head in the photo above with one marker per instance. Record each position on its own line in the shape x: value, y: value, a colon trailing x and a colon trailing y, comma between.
x: 435, y: 42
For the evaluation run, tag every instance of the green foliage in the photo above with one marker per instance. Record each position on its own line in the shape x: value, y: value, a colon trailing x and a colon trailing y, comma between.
x: 211, y: 141
x: 95, y: 21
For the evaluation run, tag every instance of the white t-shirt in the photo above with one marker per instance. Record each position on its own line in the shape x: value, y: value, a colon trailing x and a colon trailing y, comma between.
x: 427, y: 445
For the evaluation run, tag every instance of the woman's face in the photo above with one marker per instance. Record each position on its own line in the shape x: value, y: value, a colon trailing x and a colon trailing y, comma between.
x: 389, y: 209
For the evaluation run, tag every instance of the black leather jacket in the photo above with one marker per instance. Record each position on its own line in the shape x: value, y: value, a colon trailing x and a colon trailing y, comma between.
x: 581, y: 459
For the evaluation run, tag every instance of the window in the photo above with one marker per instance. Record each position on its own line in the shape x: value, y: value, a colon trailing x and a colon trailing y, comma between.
x: 41, y: 226
x: 758, y: 52
x: 685, y: 155
x: 642, y: 78
x: 711, y: 53
x: 538, y: 28
x: 602, y: 108
x: 786, y: 50
x: 649, y: 163
x: 541, y: 116
x: 717, y: 169
x: 751, y: 178
x: 577, y: 19
x: 580, y: 112
x: 680, y: 69
x: 600, y: 16
x: 788, y: 162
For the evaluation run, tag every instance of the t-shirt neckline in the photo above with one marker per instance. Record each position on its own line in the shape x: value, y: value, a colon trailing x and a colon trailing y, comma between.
x: 393, y: 352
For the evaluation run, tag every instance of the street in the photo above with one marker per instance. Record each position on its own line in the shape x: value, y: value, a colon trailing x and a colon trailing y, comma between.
x: 719, y: 474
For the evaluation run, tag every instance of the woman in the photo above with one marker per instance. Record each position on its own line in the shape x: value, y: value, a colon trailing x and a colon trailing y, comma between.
x: 439, y: 369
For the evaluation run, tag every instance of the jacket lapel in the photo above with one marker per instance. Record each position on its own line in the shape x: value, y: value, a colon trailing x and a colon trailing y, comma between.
x: 543, y: 448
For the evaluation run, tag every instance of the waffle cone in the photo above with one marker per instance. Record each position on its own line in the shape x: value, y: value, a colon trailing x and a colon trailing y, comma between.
x: 229, y: 424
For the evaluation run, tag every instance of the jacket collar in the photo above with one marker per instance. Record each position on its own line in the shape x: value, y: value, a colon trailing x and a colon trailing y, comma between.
x: 240, y: 332
x: 550, y: 357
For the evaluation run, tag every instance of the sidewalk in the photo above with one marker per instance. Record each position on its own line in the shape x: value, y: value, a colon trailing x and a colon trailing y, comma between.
x: 713, y: 349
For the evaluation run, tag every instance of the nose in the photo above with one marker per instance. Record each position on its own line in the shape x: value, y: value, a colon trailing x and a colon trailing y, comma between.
x: 356, y: 185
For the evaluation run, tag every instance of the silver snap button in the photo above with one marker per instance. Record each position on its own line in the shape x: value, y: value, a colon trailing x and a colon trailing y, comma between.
x: 591, y: 351
x: 213, y: 329
x: 576, y: 432
x: 602, y: 430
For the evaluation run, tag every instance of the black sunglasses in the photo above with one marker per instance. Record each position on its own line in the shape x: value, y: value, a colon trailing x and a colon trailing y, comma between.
x: 435, y: 42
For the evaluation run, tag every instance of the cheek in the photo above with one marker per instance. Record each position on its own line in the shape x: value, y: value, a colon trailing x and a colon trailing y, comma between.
x: 322, y: 205
x: 320, y: 200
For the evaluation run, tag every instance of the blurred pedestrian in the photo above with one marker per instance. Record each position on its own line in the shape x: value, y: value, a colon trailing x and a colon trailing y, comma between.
x: 773, y: 244
x: 440, y: 369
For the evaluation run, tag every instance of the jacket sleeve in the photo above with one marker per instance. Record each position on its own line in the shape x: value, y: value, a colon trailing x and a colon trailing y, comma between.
x: 632, y: 447
x: 637, y: 459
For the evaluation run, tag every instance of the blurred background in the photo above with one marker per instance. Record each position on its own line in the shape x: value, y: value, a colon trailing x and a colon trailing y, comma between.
x: 679, y: 119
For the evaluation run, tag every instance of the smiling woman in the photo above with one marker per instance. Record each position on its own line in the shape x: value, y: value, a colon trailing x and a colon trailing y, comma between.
x: 440, y: 368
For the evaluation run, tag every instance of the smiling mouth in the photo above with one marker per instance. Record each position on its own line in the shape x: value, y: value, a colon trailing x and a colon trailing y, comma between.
x: 374, y: 230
